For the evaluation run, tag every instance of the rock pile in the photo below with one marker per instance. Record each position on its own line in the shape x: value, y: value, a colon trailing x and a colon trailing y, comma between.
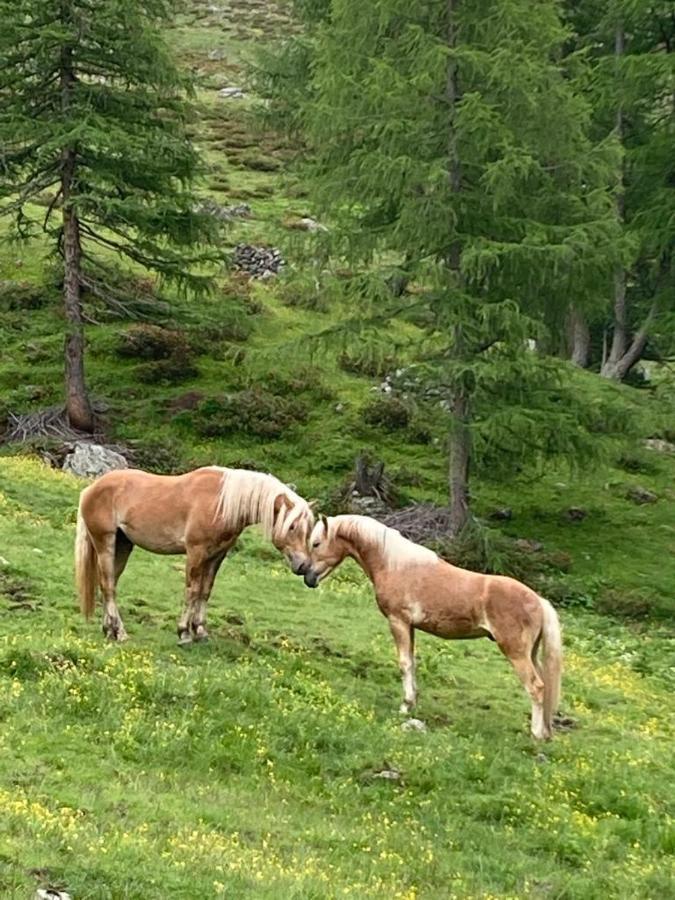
x: 224, y: 213
x: 258, y: 262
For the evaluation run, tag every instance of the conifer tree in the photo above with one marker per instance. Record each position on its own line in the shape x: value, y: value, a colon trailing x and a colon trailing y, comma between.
x: 631, y: 44
x: 94, y: 110
x: 448, y: 135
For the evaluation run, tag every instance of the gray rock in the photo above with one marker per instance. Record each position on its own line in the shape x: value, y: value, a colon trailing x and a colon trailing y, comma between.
x: 388, y: 774
x: 218, y: 52
x: 92, y: 460
x: 413, y: 725
x: 309, y: 224
x: 575, y: 514
x: 231, y: 93
x: 660, y: 445
x: 640, y: 495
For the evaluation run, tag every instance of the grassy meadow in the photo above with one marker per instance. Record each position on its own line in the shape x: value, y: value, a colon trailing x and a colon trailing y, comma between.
x: 251, y: 766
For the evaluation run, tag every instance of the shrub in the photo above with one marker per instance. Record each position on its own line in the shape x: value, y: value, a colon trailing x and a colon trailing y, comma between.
x: 163, y: 456
x: 304, y: 380
x: 624, y: 603
x: 388, y: 413
x: 20, y: 295
x: 172, y: 370
x: 254, y: 411
x: 152, y: 342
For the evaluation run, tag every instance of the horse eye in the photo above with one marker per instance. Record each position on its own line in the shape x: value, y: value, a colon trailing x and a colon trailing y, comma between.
x: 292, y: 528
x: 316, y: 543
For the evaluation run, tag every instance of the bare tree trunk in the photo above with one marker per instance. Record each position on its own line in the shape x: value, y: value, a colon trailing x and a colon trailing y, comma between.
x: 460, y: 404
x: 615, y: 366
x: 580, y: 338
x: 460, y: 461
x: 78, y: 407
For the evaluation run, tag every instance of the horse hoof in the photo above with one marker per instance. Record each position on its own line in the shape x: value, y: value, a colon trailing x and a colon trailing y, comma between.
x: 201, y: 634
x: 184, y: 639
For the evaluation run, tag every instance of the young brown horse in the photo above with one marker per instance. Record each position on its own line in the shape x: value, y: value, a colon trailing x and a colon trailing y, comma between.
x: 416, y: 589
x: 200, y: 514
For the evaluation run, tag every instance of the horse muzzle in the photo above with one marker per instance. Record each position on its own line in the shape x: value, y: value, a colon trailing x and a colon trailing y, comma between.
x: 311, y: 578
x: 298, y: 565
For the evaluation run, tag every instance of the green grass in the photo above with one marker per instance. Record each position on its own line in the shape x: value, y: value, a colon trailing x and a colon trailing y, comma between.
x: 244, y: 768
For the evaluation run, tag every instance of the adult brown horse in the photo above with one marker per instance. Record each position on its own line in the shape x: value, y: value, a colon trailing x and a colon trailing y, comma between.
x: 414, y: 588
x: 200, y: 514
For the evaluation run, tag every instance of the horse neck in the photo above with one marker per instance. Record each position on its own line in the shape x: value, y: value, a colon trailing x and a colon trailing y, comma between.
x: 368, y: 556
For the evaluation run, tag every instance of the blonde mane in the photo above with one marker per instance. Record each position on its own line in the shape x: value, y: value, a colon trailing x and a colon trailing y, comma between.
x: 246, y: 498
x: 397, y: 551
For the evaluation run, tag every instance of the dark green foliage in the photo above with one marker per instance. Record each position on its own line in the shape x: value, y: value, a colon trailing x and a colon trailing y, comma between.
x: 165, y: 456
x: 464, y: 156
x: 151, y: 342
x: 624, y: 603
x: 126, y: 118
x: 366, y: 362
x: 254, y: 411
x: 21, y: 295
x: 388, y: 413
x: 303, y: 380
x: 172, y: 370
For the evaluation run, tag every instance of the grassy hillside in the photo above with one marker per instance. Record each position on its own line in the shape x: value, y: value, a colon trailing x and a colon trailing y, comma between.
x: 248, y: 767
x: 300, y: 413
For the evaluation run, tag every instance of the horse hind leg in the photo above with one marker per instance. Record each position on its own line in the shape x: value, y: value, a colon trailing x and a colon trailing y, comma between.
x: 123, y: 548
x: 109, y: 570
x: 534, y: 685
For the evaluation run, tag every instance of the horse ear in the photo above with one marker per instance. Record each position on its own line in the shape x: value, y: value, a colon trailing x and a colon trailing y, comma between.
x: 312, y: 504
x: 324, y: 522
x: 280, y: 501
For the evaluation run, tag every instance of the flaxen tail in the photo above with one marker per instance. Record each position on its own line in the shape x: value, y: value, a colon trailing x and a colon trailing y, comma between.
x: 85, y: 566
x: 551, y: 662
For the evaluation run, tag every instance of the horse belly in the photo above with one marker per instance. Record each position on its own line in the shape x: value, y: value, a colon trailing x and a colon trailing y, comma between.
x: 163, y: 541
x: 456, y: 630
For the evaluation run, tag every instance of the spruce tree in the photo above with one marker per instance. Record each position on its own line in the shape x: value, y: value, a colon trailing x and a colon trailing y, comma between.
x: 94, y: 111
x: 447, y: 135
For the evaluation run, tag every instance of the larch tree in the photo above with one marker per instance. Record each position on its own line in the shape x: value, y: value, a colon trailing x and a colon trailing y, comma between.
x: 631, y: 45
x: 94, y: 114
x: 448, y: 136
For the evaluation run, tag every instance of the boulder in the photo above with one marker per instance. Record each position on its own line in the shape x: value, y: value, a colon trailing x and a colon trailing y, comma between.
x: 92, y: 460
x: 640, y: 495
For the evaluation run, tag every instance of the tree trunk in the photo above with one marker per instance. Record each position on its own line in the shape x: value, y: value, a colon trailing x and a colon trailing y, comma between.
x: 580, y: 338
x: 460, y: 436
x: 460, y: 460
x: 613, y: 365
x: 78, y: 407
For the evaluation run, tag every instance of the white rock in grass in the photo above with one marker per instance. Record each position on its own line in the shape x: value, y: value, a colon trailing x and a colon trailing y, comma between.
x: 388, y: 774
x: 413, y: 725
x: 51, y: 894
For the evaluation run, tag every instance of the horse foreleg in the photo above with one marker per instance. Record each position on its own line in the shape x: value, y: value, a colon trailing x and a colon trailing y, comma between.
x: 194, y: 575
x: 198, y: 623
x: 109, y: 571
x: 404, y: 637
